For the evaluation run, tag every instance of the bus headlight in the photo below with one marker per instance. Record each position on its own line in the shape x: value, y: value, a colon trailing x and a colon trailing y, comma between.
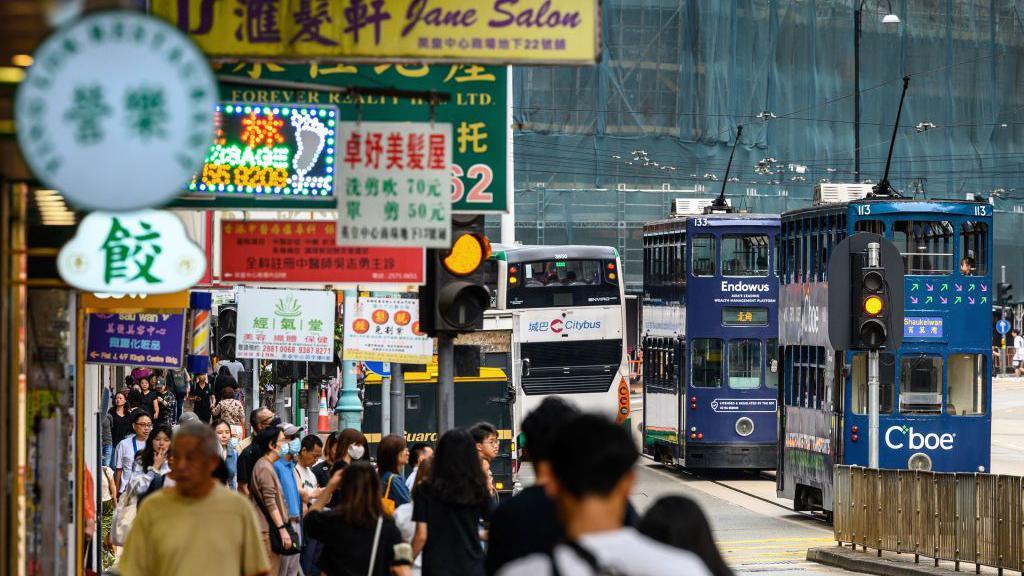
x: 920, y: 461
x: 744, y: 426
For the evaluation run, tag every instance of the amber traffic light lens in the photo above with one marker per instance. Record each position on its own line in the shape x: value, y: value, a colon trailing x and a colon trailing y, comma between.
x: 466, y: 255
x: 873, y: 305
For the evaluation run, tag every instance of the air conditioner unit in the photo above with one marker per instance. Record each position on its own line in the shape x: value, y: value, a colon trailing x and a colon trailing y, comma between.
x: 691, y: 206
x: 833, y: 193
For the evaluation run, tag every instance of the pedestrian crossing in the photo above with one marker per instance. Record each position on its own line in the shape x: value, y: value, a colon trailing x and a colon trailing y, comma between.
x: 770, y: 554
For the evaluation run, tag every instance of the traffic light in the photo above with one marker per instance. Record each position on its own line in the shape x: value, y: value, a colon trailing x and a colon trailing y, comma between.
x: 1004, y: 294
x: 870, y: 303
x: 227, y: 315
x: 455, y: 296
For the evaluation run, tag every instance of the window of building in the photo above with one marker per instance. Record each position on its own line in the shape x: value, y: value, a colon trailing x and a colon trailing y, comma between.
x: 974, y: 248
x: 859, y: 383
x: 744, y: 364
x: 702, y: 255
x: 926, y: 246
x: 921, y: 384
x: 966, y: 384
x: 706, y: 360
x: 771, y: 362
x: 745, y: 255
x: 873, y: 226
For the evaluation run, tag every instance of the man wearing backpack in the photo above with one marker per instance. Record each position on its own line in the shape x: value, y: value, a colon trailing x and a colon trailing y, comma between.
x: 177, y: 382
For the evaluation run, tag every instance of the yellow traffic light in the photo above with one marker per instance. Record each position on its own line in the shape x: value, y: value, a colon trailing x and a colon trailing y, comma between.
x: 873, y: 305
x: 467, y: 253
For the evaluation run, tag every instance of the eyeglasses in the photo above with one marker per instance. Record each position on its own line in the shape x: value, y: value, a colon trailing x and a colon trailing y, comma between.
x: 144, y: 424
x: 491, y: 441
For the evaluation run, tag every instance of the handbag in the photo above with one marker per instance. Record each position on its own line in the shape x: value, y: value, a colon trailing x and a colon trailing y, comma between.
x: 387, y: 503
x: 124, y: 515
x: 376, y: 541
x: 276, y: 544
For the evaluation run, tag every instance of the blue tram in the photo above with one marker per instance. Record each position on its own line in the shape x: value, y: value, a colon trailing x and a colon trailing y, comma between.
x: 710, y: 368
x: 935, y: 392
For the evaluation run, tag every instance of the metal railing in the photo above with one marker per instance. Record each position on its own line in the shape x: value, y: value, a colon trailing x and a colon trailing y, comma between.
x: 973, y: 518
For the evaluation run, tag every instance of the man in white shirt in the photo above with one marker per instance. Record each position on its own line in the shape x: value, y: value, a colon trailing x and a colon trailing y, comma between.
x: 591, y: 489
x: 124, y: 454
x: 234, y: 367
x: 419, y: 453
x: 1018, y: 352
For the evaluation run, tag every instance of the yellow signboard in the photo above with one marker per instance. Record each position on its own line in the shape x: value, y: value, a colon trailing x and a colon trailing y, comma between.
x: 481, y: 31
x: 127, y: 302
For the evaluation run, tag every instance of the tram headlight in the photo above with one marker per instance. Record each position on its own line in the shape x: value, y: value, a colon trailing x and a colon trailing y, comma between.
x: 920, y: 461
x: 744, y: 426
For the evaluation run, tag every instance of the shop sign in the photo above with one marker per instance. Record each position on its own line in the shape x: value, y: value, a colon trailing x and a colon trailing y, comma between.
x: 395, y: 187
x: 146, y: 339
x: 503, y: 31
x: 386, y: 330
x: 305, y: 251
x: 134, y: 302
x: 478, y: 112
x: 273, y: 150
x: 285, y: 325
x: 146, y: 252
x: 117, y: 111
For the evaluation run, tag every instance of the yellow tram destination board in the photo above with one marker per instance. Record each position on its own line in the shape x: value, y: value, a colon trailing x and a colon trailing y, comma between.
x: 488, y: 31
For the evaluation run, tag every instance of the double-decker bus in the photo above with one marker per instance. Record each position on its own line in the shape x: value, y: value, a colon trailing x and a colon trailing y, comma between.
x: 710, y: 369
x: 565, y: 307
x: 935, y: 391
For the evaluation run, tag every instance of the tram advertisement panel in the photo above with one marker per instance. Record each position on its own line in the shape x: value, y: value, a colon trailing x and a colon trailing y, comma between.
x: 803, y: 314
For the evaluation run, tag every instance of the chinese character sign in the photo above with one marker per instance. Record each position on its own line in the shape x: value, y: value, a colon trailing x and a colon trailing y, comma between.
x: 280, y: 150
x: 285, y: 325
x: 386, y: 330
x: 145, y: 252
x: 147, y: 339
x: 395, y: 184
x: 305, y: 251
x: 117, y: 102
x: 500, y: 31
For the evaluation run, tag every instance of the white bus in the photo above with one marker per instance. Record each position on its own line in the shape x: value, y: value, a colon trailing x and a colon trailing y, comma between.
x: 565, y: 309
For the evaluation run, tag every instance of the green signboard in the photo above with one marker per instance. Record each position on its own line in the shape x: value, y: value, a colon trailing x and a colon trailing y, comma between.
x: 477, y: 110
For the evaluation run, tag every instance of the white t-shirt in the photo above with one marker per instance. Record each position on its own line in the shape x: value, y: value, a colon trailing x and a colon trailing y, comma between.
x: 411, y: 480
x: 234, y: 367
x: 124, y: 459
x: 1018, y: 348
x: 624, y: 550
x: 304, y: 478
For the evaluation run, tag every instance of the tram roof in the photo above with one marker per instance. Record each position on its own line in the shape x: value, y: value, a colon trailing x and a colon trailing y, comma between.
x: 533, y: 253
x: 910, y: 205
x: 713, y: 220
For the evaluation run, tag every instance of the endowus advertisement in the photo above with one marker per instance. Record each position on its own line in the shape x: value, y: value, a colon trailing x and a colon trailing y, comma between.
x: 570, y: 324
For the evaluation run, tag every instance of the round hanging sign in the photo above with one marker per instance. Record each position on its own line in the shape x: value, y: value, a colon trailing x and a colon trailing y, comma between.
x: 117, y: 111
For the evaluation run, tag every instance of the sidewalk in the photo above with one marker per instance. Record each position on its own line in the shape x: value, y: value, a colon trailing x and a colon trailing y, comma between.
x: 888, y: 564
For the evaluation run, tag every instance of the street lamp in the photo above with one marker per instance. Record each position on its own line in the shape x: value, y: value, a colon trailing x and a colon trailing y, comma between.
x: 888, y: 18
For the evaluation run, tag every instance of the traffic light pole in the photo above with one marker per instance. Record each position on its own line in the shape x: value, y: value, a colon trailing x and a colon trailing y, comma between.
x: 873, y: 253
x: 398, y: 399
x: 445, y: 382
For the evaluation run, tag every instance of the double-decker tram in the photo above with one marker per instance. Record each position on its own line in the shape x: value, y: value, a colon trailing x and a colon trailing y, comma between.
x: 710, y: 340
x: 935, y: 392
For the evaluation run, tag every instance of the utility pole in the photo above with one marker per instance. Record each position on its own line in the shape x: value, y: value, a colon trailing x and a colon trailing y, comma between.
x: 445, y: 401
x: 873, y: 252
x: 350, y: 409
x: 397, y: 399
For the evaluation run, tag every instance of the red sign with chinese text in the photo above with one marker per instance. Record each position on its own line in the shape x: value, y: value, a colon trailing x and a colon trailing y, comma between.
x: 278, y: 251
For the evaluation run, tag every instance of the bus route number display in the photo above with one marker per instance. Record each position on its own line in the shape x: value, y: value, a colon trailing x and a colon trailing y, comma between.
x: 742, y: 316
x: 270, y: 150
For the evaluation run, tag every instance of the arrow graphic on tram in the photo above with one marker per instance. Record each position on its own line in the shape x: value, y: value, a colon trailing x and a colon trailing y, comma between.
x: 958, y: 287
x: 944, y: 287
x: 943, y: 300
x: 970, y: 300
x: 915, y: 286
x: 970, y: 287
x: 928, y: 300
x: 958, y: 300
x: 929, y: 287
x: 984, y: 287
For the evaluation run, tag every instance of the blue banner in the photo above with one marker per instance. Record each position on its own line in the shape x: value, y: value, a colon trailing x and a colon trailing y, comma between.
x: 922, y: 327
x: 147, y: 339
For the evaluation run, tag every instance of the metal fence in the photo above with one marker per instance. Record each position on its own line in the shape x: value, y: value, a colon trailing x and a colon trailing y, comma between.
x: 973, y: 518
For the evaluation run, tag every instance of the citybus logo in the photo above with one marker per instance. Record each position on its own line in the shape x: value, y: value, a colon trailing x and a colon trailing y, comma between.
x: 556, y: 326
x: 895, y: 435
x: 743, y: 287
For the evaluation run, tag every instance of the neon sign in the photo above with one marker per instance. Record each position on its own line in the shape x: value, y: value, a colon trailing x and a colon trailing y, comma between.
x: 270, y: 150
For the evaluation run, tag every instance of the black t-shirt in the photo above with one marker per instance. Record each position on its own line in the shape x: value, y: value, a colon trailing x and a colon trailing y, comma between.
x: 322, y: 471
x: 120, y: 426
x: 527, y: 524
x: 346, y: 549
x: 147, y: 401
x: 453, y: 534
x: 246, y: 461
x: 201, y: 405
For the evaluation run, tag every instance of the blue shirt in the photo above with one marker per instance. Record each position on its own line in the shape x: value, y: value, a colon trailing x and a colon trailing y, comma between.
x: 286, y: 474
x: 399, y: 492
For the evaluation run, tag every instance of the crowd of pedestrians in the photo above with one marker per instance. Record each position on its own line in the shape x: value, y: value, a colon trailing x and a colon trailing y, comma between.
x: 282, y: 503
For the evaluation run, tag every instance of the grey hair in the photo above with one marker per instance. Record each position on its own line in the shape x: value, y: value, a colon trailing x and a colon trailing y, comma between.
x: 202, y: 432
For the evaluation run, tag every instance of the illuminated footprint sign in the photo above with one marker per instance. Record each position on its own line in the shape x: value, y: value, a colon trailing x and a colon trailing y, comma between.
x: 270, y: 150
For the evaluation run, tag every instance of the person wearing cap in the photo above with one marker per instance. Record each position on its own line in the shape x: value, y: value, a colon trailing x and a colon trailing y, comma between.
x: 285, y: 469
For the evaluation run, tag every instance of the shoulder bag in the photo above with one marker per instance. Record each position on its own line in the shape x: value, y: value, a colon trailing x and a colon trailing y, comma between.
x: 124, y: 515
x: 387, y: 503
x: 376, y: 542
x: 276, y: 544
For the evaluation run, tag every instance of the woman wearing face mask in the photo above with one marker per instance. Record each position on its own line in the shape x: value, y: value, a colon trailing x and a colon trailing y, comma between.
x: 228, y: 452
x: 267, y: 495
x: 351, y: 447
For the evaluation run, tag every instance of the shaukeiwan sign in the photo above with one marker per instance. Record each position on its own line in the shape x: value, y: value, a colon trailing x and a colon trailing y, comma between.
x: 145, y: 252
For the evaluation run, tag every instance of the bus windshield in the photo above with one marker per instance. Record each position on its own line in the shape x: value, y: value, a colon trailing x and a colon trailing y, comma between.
x: 547, y: 283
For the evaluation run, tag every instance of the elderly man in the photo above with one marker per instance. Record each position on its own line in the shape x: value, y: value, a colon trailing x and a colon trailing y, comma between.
x: 200, y: 507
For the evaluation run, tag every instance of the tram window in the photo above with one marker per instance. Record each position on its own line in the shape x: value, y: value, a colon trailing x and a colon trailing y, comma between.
x: 927, y: 246
x: 745, y: 255
x: 873, y: 226
x: 966, y: 384
x: 974, y: 249
x: 771, y: 362
x: 703, y: 255
x: 706, y: 363
x: 744, y: 364
x: 859, y: 383
x: 921, y: 384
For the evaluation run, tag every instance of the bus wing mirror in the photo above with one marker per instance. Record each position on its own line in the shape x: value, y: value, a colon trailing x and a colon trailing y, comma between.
x: 526, y: 366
